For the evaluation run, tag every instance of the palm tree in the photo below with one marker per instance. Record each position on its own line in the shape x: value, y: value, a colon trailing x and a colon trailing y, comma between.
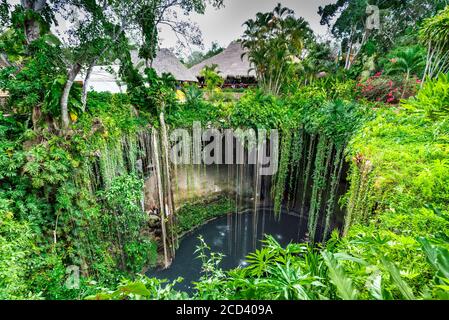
x: 212, y: 77
x: 435, y: 35
x: 407, y: 61
x: 271, y: 40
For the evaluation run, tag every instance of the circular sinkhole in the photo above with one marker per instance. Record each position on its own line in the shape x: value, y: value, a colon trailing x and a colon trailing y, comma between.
x: 235, y: 236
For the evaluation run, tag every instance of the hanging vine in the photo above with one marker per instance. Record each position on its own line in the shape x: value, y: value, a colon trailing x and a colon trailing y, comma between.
x: 281, y: 177
x: 318, y: 185
x: 335, y: 179
x: 360, y: 199
x: 296, y: 156
x: 307, y: 173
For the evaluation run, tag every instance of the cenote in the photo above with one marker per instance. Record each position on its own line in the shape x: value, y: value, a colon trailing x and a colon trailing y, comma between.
x: 235, y: 236
x: 299, y: 204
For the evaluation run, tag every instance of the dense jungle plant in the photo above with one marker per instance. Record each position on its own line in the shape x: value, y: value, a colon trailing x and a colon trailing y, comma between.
x: 141, y: 289
x: 435, y: 35
x: 122, y: 200
x: 259, y: 110
x: 408, y: 62
x: 212, y: 78
x: 47, y: 207
x: 432, y: 100
x: 16, y: 247
x: 387, y: 89
x: 57, y: 211
x: 296, y: 272
x: 147, y: 91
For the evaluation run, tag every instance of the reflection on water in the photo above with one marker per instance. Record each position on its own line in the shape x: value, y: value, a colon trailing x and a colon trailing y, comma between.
x: 235, y: 236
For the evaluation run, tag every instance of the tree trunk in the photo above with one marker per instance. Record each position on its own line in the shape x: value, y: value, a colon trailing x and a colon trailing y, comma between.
x: 4, y: 60
x: 357, y: 52
x: 348, y: 55
x: 74, y: 70
x: 157, y: 171
x: 32, y: 26
x: 32, y: 30
x: 86, y: 84
x: 35, y: 117
x: 167, y: 180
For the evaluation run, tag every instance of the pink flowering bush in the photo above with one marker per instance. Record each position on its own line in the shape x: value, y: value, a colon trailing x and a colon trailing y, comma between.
x: 387, y: 89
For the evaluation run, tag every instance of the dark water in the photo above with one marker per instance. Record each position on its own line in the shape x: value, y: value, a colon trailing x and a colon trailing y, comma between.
x: 235, y: 236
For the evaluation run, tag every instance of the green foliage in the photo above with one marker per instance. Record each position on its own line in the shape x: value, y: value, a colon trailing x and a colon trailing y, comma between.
x: 197, y: 57
x: 258, y: 110
x: 281, y: 176
x: 123, y: 202
x: 75, y: 198
x: 141, y: 289
x: 38, y: 79
x: 274, y: 273
x: 212, y: 78
x: 190, y: 216
x: 438, y: 256
x: 406, y: 156
x: 398, y: 18
x: 16, y: 247
x: 407, y: 61
x: 338, y: 277
x: 148, y: 92
x: 432, y: 100
x: 273, y: 40
x: 50, y: 211
x: 434, y: 34
x: 193, y: 94
x: 403, y: 287
x: 435, y: 28
x: 48, y: 165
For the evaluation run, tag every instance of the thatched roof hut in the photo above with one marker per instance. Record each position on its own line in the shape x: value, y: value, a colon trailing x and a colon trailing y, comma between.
x: 166, y: 62
x: 231, y: 63
x: 106, y: 78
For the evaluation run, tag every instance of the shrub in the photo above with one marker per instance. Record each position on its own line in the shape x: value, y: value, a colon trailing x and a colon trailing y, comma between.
x: 432, y: 100
x: 391, y: 90
x: 16, y: 243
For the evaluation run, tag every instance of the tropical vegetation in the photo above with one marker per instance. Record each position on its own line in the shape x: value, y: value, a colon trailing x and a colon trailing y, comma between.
x: 372, y: 116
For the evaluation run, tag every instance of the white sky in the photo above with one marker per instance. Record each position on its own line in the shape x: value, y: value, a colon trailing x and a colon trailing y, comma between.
x: 225, y: 25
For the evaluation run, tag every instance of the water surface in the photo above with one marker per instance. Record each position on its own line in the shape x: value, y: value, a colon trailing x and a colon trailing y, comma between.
x: 235, y: 236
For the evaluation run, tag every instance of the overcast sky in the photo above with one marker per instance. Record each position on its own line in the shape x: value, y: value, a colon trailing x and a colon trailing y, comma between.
x: 225, y: 25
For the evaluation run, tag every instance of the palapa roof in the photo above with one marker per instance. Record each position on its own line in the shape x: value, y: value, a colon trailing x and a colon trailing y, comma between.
x: 166, y: 62
x: 231, y: 63
x: 106, y: 78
